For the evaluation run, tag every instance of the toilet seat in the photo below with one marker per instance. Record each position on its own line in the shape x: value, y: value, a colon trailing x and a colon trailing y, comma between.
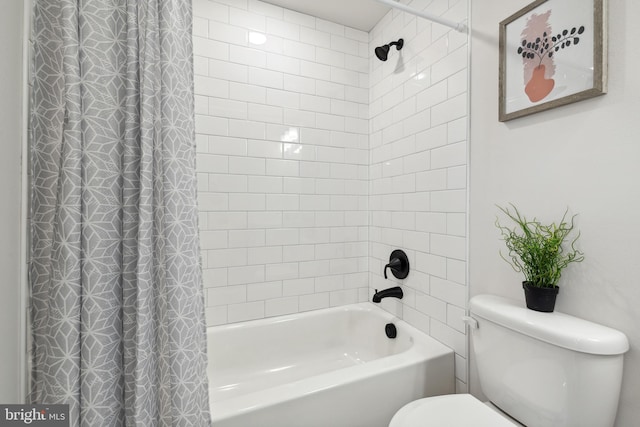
x: 452, y: 410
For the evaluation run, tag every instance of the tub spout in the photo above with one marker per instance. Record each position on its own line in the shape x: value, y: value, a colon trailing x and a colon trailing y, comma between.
x: 395, y: 292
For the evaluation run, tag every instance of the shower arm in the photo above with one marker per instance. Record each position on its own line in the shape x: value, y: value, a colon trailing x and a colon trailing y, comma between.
x: 458, y: 26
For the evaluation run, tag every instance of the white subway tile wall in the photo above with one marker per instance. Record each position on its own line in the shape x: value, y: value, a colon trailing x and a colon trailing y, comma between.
x: 418, y: 180
x: 316, y: 160
x: 282, y: 109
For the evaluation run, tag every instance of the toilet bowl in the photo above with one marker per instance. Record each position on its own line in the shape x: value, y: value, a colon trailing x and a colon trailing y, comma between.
x: 452, y: 410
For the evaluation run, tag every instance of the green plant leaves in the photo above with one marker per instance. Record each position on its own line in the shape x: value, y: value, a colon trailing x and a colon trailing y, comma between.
x: 536, y: 249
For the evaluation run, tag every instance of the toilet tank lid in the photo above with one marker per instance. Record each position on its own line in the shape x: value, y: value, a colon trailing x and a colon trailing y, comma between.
x: 554, y: 328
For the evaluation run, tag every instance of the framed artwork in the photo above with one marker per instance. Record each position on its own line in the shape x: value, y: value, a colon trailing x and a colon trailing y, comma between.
x: 552, y: 53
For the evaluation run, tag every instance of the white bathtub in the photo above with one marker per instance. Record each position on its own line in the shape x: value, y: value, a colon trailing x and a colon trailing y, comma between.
x: 326, y: 368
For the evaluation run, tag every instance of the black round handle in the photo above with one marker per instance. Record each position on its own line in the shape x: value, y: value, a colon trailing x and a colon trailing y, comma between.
x: 398, y: 263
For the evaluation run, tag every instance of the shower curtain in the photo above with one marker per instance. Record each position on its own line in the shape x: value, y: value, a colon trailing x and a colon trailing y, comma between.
x: 117, y: 306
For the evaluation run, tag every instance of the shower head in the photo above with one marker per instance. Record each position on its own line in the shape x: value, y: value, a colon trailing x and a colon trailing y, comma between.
x: 383, y: 51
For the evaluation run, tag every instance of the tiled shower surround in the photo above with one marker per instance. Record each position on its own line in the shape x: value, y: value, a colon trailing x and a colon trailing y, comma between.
x: 283, y: 159
x: 418, y: 180
x: 316, y: 160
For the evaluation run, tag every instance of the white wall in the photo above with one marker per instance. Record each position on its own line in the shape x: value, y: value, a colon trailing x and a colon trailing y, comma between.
x: 282, y: 136
x: 11, y: 261
x: 418, y: 174
x: 584, y: 156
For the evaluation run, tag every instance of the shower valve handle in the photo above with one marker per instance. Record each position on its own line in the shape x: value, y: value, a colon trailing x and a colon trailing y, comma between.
x: 394, y: 265
x: 398, y: 263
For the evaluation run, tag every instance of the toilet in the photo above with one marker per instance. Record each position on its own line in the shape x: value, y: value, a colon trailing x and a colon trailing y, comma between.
x: 536, y: 369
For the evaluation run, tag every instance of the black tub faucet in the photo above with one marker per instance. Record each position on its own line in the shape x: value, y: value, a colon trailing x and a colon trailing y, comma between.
x: 395, y: 292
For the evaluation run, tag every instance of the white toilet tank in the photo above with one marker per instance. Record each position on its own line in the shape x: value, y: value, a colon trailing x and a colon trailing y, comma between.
x: 547, y: 369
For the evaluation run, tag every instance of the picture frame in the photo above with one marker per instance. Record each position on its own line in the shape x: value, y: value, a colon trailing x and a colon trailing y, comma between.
x: 552, y: 53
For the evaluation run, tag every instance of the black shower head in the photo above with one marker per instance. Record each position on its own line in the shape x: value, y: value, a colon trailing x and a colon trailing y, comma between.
x: 383, y: 51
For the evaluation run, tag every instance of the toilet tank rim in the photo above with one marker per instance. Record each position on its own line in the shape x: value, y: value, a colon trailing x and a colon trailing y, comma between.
x: 555, y: 328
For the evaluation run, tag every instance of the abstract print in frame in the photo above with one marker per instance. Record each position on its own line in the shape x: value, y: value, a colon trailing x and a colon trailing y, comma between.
x: 552, y: 53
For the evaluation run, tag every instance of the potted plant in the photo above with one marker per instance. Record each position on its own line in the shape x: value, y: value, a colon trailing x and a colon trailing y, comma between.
x: 539, y: 252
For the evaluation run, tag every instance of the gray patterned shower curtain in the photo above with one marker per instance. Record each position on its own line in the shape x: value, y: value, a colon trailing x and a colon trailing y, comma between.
x: 117, y: 307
